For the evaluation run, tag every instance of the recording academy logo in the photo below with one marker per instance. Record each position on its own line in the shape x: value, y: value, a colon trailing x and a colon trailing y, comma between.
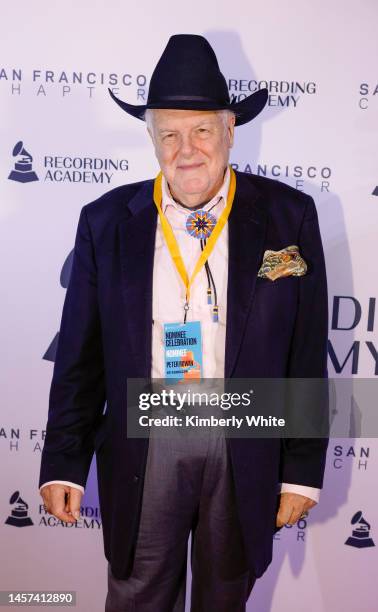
x: 23, y: 171
x: 19, y: 513
x: 66, y: 168
x: 90, y: 518
x: 360, y: 537
x: 375, y: 192
x: 281, y: 93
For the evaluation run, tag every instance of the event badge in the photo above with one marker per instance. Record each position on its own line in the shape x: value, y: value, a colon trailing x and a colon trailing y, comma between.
x: 183, y: 350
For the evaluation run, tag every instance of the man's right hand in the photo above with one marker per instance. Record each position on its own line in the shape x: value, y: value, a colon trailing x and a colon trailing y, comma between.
x: 62, y: 501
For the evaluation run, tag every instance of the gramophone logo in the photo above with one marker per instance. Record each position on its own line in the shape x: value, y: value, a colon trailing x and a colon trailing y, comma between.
x: 19, y: 514
x: 360, y: 537
x: 375, y: 192
x: 23, y: 170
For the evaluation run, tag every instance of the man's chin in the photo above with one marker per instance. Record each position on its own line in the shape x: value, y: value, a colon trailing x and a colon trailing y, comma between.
x: 194, y: 187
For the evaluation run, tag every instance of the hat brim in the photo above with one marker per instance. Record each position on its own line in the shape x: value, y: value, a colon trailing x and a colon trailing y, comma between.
x: 245, y: 110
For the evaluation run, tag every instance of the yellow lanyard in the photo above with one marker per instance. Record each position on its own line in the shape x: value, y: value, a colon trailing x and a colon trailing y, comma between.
x: 210, y: 243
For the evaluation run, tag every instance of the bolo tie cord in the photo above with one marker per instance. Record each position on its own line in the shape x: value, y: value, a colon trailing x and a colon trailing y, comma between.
x: 210, y: 278
x: 211, y: 284
x: 210, y: 281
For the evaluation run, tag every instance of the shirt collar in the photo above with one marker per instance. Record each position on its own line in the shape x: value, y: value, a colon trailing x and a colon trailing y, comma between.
x: 219, y: 199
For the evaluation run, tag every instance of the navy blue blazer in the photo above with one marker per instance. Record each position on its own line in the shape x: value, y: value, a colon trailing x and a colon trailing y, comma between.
x: 274, y: 329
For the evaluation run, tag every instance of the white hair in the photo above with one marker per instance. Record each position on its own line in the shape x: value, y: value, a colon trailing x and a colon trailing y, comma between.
x: 225, y: 113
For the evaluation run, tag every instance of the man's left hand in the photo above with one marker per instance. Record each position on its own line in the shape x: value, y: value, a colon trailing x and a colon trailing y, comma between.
x: 292, y: 505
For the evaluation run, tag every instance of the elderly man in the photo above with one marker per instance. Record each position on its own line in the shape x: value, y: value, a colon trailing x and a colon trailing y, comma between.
x: 146, y: 264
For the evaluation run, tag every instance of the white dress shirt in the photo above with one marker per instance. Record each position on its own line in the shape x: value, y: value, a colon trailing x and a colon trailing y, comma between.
x: 169, y: 298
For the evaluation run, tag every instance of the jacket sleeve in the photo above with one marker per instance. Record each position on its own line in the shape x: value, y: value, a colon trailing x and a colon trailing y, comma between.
x: 77, y: 394
x: 303, y: 459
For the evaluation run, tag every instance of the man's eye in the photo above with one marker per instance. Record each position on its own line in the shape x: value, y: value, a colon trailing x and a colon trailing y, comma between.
x: 168, y: 136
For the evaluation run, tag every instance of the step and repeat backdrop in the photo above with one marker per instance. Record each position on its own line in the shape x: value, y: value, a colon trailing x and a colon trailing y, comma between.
x: 63, y: 143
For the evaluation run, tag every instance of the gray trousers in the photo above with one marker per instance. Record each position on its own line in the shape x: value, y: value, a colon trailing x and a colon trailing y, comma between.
x: 188, y: 488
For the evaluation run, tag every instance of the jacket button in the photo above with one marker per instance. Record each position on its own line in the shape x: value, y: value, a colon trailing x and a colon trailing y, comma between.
x: 136, y: 478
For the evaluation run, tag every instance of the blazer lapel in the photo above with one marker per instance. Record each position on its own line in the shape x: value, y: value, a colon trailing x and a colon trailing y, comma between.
x: 246, y: 231
x: 137, y: 246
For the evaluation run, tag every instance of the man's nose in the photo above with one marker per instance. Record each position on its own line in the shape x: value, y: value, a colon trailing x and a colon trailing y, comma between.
x: 187, y: 147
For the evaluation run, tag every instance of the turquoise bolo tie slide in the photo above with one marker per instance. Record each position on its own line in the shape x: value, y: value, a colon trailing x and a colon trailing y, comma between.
x: 200, y: 224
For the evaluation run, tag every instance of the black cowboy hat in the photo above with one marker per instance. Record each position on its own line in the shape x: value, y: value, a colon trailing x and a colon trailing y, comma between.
x: 187, y: 76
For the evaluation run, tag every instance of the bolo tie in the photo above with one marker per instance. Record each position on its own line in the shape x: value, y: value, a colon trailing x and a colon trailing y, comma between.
x: 199, y: 224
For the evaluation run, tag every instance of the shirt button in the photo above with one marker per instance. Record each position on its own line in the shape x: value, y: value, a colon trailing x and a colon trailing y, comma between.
x: 136, y: 478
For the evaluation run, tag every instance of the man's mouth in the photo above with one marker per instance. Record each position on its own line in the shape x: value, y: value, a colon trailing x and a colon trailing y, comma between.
x: 189, y: 166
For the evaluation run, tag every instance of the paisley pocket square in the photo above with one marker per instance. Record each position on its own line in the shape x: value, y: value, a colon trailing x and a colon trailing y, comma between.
x: 286, y: 262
